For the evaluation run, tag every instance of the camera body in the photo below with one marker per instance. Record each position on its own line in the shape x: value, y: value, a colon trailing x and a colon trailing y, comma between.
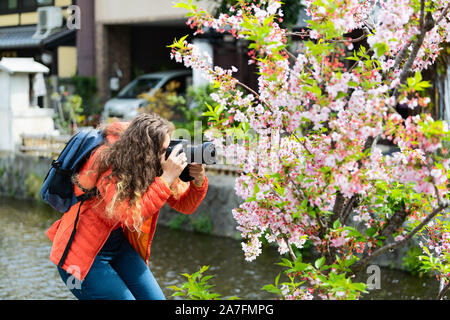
x: 204, y: 153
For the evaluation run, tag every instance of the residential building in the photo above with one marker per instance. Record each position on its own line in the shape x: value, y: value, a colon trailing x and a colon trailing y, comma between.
x: 19, y: 36
x: 132, y: 38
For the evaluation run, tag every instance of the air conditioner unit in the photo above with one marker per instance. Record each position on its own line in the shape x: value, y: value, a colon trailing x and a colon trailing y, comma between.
x: 49, y: 20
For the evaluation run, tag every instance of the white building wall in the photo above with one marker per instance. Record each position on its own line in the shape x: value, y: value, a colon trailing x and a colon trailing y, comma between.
x: 120, y: 11
x: 16, y: 115
x: 446, y: 106
x: 5, y: 114
x: 20, y: 91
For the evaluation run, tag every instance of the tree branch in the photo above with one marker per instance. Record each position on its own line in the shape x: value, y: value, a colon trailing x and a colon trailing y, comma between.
x: 250, y: 90
x: 443, y: 291
x: 298, y: 34
x: 291, y: 252
x: 348, y: 208
x: 337, y: 208
x: 360, y: 265
x: 306, y: 34
x: 395, y: 222
x: 401, y: 55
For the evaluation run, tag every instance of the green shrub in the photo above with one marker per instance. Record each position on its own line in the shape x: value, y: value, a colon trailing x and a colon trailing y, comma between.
x: 412, y: 263
x: 177, y: 222
x: 33, y: 184
x: 202, y: 224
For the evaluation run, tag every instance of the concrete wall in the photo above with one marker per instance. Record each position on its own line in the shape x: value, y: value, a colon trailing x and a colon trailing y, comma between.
x: 14, y: 170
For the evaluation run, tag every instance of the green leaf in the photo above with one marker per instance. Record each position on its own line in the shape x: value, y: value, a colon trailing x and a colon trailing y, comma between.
x: 182, y: 5
x: 417, y: 77
x: 316, y: 90
x: 360, y: 286
x: 204, y: 268
x: 337, y: 224
x: 271, y: 288
x: 370, y: 232
x: 349, y: 262
x: 319, y: 262
x: 177, y: 294
x: 381, y: 49
x: 245, y: 126
x: 175, y: 288
x: 277, y: 279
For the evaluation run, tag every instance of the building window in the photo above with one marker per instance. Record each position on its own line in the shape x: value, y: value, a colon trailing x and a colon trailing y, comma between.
x: 17, y: 6
x: 28, y: 5
x: 44, y: 3
x: 8, y: 6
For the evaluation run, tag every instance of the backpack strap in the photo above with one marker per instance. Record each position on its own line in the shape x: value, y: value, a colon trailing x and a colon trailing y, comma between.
x: 82, y: 198
x: 57, y: 165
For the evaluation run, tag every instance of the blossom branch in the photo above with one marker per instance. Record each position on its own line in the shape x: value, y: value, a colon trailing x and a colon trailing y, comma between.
x: 290, y: 54
x: 444, y: 13
x: 291, y: 252
x: 360, y: 265
x: 438, y: 196
x: 345, y: 211
x: 304, y: 34
x: 426, y: 24
x: 302, y: 143
x: 351, y: 40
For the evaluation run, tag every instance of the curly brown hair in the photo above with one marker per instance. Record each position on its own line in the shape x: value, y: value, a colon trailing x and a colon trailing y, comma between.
x: 135, y: 163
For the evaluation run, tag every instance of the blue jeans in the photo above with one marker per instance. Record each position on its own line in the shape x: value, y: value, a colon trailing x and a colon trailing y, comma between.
x: 118, y: 273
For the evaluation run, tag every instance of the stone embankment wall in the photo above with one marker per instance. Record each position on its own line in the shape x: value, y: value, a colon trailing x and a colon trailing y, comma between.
x: 21, y: 177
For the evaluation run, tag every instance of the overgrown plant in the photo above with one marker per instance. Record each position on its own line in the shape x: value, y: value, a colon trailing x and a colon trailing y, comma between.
x: 72, y: 114
x: 306, y: 138
x: 33, y: 184
x: 165, y: 101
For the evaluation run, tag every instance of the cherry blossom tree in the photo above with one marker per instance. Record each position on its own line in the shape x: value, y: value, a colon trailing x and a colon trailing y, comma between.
x: 305, y: 139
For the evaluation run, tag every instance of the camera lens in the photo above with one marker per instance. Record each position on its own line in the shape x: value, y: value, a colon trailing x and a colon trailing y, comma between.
x: 209, y: 153
x: 204, y: 153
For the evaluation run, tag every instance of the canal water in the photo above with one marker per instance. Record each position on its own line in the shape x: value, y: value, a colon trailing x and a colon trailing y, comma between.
x: 27, y: 273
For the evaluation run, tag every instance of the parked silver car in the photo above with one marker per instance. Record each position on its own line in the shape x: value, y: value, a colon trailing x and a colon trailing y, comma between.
x: 126, y: 103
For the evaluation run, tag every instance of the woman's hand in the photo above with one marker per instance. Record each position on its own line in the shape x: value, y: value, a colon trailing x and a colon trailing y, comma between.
x: 174, y: 165
x: 197, y: 171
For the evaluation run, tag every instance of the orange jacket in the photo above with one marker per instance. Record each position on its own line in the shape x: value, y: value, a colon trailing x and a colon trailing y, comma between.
x: 94, y: 227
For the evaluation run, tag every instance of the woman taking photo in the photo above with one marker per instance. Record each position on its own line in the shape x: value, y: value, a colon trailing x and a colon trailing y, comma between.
x: 109, y: 255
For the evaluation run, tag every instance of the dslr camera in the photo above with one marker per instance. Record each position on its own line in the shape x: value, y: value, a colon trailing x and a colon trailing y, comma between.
x: 204, y: 153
